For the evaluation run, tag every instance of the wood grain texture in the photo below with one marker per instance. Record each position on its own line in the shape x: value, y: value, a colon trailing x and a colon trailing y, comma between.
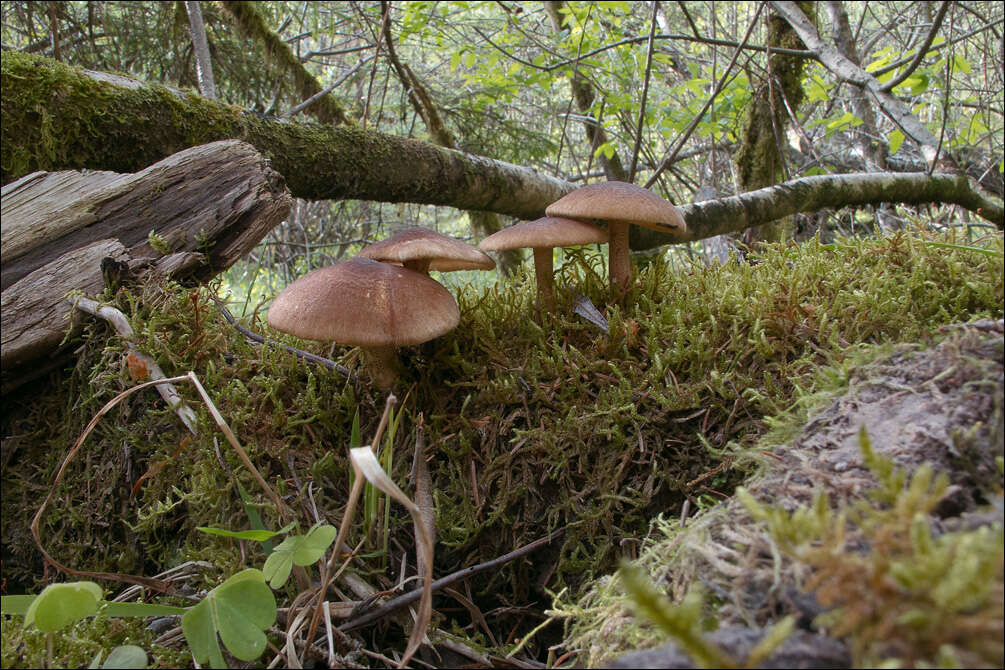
x: 211, y: 204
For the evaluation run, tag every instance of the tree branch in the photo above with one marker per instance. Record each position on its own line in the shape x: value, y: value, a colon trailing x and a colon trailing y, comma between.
x: 109, y: 122
x: 922, y: 50
x: 809, y: 194
x: 848, y: 71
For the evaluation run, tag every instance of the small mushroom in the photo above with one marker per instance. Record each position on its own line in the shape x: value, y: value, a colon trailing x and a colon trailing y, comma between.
x: 542, y: 235
x: 365, y: 303
x: 619, y: 204
x: 422, y: 250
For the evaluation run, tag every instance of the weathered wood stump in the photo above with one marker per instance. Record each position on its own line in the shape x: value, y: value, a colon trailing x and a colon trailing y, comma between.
x: 210, y: 205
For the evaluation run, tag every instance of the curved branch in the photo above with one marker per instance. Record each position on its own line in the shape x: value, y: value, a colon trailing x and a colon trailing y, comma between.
x: 848, y: 71
x: 809, y: 194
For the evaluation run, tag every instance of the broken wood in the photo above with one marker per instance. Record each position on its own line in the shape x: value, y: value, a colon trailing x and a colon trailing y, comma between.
x: 203, y: 209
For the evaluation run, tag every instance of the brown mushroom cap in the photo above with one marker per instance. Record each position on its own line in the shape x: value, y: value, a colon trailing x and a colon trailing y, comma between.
x: 546, y: 232
x: 445, y: 254
x: 366, y: 303
x: 619, y: 202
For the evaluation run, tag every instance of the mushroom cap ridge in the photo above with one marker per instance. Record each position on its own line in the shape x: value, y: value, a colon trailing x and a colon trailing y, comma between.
x: 619, y: 202
x: 547, y: 232
x: 362, y: 302
x: 445, y: 254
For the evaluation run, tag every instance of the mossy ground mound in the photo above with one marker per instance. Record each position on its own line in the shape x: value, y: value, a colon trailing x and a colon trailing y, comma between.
x: 879, y: 523
x: 530, y: 426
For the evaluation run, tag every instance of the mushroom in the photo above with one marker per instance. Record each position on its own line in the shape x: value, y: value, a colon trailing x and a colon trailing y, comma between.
x: 619, y: 204
x: 422, y: 250
x: 542, y: 235
x: 364, y: 303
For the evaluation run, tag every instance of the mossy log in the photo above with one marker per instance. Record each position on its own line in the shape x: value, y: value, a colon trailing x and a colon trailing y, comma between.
x: 203, y: 209
x: 59, y: 117
x: 809, y: 194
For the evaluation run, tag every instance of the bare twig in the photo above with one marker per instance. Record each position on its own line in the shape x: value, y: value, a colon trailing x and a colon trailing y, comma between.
x: 708, y: 103
x: 299, y: 353
x: 121, y: 325
x: 922, y: 51
x: 412, y: 596
x: 645, y: 94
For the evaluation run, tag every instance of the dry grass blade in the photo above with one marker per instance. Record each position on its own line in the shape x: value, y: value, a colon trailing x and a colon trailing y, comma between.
x: 229, y: 434
x: 129, y: 579
x: 365, y: 463
x: 135, y: 579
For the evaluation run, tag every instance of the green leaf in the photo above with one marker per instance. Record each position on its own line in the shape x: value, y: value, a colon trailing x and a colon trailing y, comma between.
x: 607, y: 149
x: 127, y: 656
x: 239, y: 610
x: 313, y: 545
x: 200, y: 633
x: 279, y: 564
x: 59, y: 605
x: 254, y: 518
x: 13, y: 605
x: 297, y: 550
x: 896, y: 139
x: 255, y: 535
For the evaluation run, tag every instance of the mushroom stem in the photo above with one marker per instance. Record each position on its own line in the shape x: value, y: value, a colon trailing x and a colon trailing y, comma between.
x: 382, y: 364
x: 619, y: 262
x: 544, y: 270
x: 419, y: 265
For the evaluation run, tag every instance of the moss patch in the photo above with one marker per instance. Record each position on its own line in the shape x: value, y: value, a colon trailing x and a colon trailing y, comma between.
x: 531, y: 427
x: 894, y: 560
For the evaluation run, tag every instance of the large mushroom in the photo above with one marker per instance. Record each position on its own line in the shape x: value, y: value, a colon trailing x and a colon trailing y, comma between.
x: 422, y: 250
x: 619, y: 204
x: 365, y: 303
x: 542, y: 235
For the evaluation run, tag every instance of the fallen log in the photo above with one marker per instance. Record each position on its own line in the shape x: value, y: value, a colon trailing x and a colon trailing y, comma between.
x: 187, y: 217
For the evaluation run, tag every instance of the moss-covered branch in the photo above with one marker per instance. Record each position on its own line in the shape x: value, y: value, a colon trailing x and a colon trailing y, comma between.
x: 57, y: 117
x: 809, y: 194
x: 326, y: 108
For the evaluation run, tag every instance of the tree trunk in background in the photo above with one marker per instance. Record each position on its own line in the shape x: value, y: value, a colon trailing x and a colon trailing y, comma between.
x: 759, y: 157
x: 200, y: 45
x: 845, y: 70
x: 326, y: 109
x: 192, y: 215
x: 582, y: 94
x: 482, y: 223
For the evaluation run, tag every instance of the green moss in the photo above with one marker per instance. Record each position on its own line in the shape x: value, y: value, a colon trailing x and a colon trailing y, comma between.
x: 557, y: 425
x: 77, y: 645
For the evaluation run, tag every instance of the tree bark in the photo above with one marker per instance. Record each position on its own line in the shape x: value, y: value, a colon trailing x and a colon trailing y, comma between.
x: 759, y: 156
x: 326, y: 109
x: 57, y: 117
x: 207, y: 206
x: 873, y: 151
x: 200, y: 45
x: 809, y: 194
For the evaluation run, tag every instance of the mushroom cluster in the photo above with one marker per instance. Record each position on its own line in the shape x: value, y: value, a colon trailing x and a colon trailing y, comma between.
x: 384, y: 298
x: 619, y: 205
x: 380, y: 300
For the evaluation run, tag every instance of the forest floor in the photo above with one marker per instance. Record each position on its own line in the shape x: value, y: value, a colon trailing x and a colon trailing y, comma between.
x: 547, y: 425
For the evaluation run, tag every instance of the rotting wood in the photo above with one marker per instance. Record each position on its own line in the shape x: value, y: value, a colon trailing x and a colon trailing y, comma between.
x: 210, y: 205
